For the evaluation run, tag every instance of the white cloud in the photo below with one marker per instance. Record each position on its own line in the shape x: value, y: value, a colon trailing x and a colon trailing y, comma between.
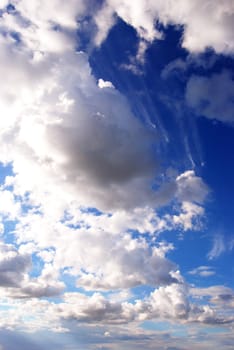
x: 104, y: 84
x: 191, y: 188
x: 205, y: 24
x: 54, y: 30
x: 74, y: 144
x: 79, y: 139
x: 15, y: 278
x: 211, y: 291
x: 40, y: 27
x: 10, y: 208
x: 99, y: 259
x: 220, y: 245
x: 212, y: 97
x: 13, y: 266
x: 44, y: 11
x: 90, y: 146
x: 221, y: 297
x: 99, y: 250
x: 165, y: 303
x: 170, y: 303
x: 203, y: 271
x: 189, y: 217
x: 191, y: 192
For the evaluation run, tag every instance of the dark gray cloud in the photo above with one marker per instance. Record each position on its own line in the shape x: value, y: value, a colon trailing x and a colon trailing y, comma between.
x: 15, y: 280
x: 13, y: 266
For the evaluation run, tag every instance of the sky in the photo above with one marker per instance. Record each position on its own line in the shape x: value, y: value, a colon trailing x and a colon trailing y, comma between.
x: 116, y: 174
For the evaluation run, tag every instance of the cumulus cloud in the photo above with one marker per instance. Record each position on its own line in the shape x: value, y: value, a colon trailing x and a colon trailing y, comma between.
x: 212, y: 97
x: 191, y: 188
x: 15, y: 278
x: 79, y: 137
x: 97, y: 258
x: 82, y: 136
x: 13, y: 266
x: 74, y: 145
x: 191, y: 193
x: 71, y: 129
x: 200, y: 30
x: 39, y: 27
x: 189, y: 217
x: 167, y: 303
x: 10, y: 208
x: 109, y: 250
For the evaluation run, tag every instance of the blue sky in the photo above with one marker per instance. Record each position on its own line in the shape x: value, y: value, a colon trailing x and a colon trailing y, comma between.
x: 116, y: 174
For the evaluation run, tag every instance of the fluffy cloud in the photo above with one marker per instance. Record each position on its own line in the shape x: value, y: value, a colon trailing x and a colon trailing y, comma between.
x: 191, y: 188
x: 79, y: 138
x: 212, y: 97
x: 10, y: 208
x: 74, y: 144
x: 108, y: 251
x: 101, y: 260
x: 92, y: 146
x: 44, y: 29
x: 191, y: 193
x: 70, y: 129
x: 39, y: 27
x: 13, y: 266
x: 205, y: 24
x: 167, y: 303
x: 15, y: 278
x: 189, y: 217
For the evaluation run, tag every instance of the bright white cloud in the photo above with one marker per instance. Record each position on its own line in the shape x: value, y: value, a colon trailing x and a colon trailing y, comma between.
x: 98, y: 258
x: 40, y: 27
x: 93, y: 147
x: 205, y: 23
x: 10, y: 208
x: 167, y: 303
x: 189, y: 217
x: 80, y: 140
x: 74, y: 143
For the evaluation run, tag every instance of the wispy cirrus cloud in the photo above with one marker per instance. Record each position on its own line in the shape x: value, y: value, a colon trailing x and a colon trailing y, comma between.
x: 220, y: 245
